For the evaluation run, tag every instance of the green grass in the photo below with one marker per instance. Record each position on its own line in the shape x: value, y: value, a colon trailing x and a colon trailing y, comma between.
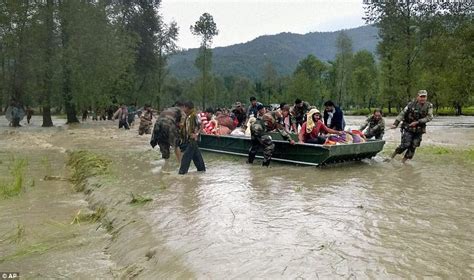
x: 444, y: 111
x: 93, y: 217
x: 448, y: 111
x: 139, y: 200
x: 84, y: 165
x: 16, y: 237
x: 15, y: 186
x: 38, y: 248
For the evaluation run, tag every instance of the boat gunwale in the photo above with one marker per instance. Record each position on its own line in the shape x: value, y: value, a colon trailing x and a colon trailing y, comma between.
x: 327, y: 147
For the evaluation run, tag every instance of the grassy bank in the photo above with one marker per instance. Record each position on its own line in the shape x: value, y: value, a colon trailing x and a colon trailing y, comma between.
x: 445, y: 111
x: 15, y: 185
x: 435, y: 152
x: 85, y: 164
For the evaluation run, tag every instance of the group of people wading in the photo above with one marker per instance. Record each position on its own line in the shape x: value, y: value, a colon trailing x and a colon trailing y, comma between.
x: 180, y: 126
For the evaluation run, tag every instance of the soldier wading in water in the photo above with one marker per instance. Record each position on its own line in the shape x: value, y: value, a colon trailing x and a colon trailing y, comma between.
x: 166, y: 131
x: 414, y: 117
x: 259, y: 135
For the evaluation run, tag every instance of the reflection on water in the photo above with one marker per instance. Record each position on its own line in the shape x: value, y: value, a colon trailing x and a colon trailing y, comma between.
x: 370, y: 219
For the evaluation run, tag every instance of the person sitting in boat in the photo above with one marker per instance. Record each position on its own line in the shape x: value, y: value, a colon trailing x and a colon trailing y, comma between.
x: 260, y: 111
x: 252, y: 110
x: 298, y: 114
x: 333, y: 116
x: 313, y: 129
x: 239, y: 113
x: 375, y: 125
x: 260, y: 137
x: 286, y: 117
x: 206, y: 118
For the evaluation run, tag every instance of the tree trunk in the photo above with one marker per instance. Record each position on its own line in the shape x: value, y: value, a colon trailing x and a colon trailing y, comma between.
x: 46, y: 100
x: 67, y: 95
x: 458, y: 109
x: 47, y: 121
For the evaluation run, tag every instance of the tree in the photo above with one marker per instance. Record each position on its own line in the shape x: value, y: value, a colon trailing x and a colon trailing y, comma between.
x: 364, y: 79
x: 205, y: 28
x: 343, y: 66
x: 270, y: 80
x: 423, y: 45
x: 308, y: 80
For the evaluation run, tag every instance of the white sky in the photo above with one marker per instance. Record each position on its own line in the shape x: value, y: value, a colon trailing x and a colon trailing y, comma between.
x: 244, y: 20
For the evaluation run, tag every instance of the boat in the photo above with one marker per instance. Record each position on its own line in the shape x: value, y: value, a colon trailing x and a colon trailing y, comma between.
x: 304, y: 154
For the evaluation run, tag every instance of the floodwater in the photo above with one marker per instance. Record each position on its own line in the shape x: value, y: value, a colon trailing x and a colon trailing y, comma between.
x: 363, y: 220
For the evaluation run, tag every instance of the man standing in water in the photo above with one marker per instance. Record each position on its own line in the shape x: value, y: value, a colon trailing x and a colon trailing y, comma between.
x: 145, y: 120
x: 414, y: 117
x: 189, y: 146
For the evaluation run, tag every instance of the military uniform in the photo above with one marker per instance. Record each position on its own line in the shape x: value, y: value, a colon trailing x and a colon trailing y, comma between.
x: 376, y: 127
x: 412, y: 136
x: 259, y: 136
x: 145, y: 122
x: 166, y: 130
x: 298, y: 114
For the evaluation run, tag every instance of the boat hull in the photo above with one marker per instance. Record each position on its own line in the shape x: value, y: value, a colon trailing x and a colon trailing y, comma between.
x: 306, y: 154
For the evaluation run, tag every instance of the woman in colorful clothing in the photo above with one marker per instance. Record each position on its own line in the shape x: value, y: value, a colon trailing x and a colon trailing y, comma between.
x: 312, y: 130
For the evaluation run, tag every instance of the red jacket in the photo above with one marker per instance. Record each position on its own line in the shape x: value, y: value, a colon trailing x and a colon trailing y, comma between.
x: 317, y: 130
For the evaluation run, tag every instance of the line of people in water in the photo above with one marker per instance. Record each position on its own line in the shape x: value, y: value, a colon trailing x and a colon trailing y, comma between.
x: 180, y: 126
x: 256, y: 121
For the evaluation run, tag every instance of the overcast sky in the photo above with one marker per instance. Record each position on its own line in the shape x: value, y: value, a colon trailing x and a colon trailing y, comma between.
x: 244, y: 20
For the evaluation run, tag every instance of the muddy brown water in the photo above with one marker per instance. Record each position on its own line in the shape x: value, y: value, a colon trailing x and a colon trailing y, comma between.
x: 363, y: 220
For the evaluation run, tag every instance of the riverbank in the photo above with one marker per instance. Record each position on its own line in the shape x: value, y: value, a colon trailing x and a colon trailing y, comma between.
x: 135, y: 217
x: 444, y: 111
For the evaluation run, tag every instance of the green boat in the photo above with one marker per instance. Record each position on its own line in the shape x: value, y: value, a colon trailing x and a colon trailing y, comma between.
x: 305, y: 154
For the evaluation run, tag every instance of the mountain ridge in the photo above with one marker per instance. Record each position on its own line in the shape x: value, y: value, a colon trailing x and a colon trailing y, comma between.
x: 283, y: 50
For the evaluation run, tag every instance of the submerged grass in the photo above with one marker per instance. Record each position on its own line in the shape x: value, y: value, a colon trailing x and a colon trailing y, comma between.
x: 38, y: 248
x: 139, y: 200
x: 15, y: 236
x: 86, y: 164
x: 16, y: 185
x: 93, y: 217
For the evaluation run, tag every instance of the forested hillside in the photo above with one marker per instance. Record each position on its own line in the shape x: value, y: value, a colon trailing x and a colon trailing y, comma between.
x: 283, y: 50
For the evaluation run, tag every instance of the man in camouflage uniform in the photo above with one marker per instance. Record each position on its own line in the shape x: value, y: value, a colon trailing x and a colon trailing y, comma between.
x: 166, y: 131
x: 298, y: 114
x: 259, y: 135
x: 375, y: 124
x: 145, y: 121
x: 414, y: 117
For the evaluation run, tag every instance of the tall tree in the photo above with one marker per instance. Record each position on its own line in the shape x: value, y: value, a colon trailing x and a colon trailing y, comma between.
x: 50, y: 48
x: 308, y: 80
x: 270, y: 80
x: 205, y: 28
x: 343, y: 66
x: 364, y: 80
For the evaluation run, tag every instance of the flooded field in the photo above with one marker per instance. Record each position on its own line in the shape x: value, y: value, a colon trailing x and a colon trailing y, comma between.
x: 138, y: 218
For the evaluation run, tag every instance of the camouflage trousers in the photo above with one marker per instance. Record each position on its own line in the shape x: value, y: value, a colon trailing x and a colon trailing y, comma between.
x: 144, y: 128
x: 266, y: 142
x: 165, y: 135
x: 378, y: 134
x: 410, y: 141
